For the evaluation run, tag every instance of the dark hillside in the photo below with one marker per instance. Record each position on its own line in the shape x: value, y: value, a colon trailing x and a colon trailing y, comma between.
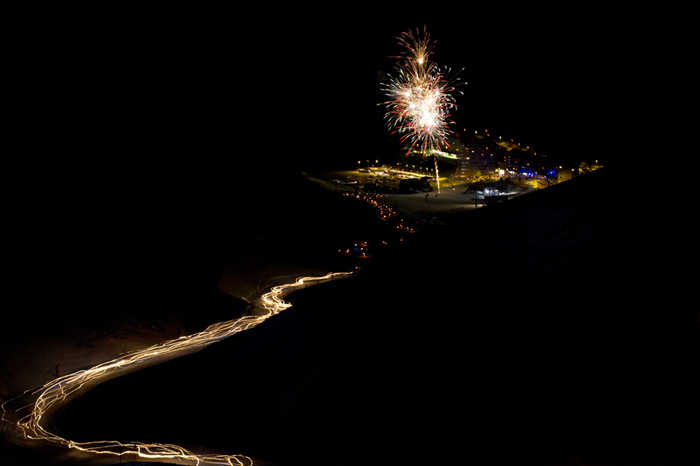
x: 552, y: 326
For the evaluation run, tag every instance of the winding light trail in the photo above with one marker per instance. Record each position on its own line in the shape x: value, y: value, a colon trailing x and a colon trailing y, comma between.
x: 52, y: 393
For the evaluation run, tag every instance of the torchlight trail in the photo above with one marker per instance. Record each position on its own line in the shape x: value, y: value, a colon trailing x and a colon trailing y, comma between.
x: 51, y: 394
x: 420, y: 99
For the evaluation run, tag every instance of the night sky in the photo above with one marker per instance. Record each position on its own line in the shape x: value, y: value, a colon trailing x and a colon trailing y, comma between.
x: 145, y: 144
x: 299, y: 82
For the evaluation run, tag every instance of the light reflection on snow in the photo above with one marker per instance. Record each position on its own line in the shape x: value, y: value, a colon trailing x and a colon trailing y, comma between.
x: 40, y: 400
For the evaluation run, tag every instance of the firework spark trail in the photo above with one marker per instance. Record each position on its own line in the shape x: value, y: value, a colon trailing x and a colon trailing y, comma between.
x: 51, y: 394
x: 420, y: 97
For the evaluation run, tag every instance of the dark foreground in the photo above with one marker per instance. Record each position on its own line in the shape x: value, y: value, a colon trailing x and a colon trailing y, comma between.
x: 548, y: 330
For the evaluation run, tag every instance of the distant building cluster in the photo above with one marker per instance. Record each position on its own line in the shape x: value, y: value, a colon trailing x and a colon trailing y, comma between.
x: 483, y: 156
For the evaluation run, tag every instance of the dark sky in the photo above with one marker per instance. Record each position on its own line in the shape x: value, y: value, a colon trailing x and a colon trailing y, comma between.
x: 298, y: 82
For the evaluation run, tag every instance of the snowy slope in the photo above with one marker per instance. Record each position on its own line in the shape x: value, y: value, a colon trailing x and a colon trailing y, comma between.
x: 552, y: 326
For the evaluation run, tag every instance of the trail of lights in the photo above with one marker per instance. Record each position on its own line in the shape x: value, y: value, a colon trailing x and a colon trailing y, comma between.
x: 420, y: 100
x: 52, y: 393
x: 384, y: 212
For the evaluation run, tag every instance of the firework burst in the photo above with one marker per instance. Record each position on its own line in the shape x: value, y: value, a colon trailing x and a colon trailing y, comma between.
x: 420, y: 99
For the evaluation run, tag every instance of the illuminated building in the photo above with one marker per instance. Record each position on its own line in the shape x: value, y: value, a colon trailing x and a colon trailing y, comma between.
x: 480, y: 157
x: 560, y: 173
x: 564, y: 173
